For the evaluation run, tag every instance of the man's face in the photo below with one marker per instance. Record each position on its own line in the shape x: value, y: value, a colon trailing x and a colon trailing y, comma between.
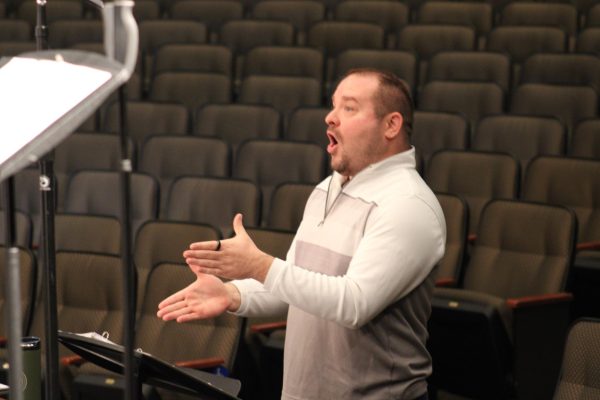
x: 356, y: 134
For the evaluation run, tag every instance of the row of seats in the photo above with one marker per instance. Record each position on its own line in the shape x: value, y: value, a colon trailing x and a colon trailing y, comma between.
x: 431, y: 130
x: 500, y: 232
x: 523, y: 136
x: 475, y: 176
x: 390, y: 15
x: 241, y: 35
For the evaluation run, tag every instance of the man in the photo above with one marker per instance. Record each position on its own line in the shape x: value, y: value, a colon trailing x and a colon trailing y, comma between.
x: 358, y: 278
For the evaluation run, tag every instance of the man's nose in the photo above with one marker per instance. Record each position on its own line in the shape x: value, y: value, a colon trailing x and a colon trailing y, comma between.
x: 331, y: 118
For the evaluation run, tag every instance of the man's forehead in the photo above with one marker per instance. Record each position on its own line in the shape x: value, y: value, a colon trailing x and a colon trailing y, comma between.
x: 357, y: 87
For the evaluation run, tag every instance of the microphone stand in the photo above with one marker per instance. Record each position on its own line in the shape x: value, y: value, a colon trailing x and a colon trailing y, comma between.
x: 13, y: 290
x: 48, y: 190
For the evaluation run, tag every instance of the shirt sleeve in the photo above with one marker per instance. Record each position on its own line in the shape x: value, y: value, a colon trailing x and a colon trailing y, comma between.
x: 399, y: 249
x: 256, y: 301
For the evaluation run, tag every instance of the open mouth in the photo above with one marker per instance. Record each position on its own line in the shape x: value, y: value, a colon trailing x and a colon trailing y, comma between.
x: 333, y: 143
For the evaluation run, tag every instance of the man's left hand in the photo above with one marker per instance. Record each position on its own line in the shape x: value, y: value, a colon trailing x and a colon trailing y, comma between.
x: 237, y: 258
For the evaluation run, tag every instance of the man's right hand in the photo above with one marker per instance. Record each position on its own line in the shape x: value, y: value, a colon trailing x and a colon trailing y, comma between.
x: 207, y: 297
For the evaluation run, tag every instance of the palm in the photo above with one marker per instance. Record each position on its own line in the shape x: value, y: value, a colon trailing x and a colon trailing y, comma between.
x: 207, y: 296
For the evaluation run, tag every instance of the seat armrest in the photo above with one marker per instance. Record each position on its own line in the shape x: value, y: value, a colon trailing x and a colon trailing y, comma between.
x: 3, y: 341
x: 72, y: 360
x: 201, y: 363
x: 445, y: 282
x: 539, y: 330
x: 268, y: 327
x: 595, y: 245
x: 544, y: 299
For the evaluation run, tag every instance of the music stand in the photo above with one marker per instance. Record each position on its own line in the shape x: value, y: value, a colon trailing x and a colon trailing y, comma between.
x: 40, y: 111
x: 152, y: 370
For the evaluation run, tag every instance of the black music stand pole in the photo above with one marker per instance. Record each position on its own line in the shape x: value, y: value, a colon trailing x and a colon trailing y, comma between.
x: 47, y: 193
x: 118, y: 19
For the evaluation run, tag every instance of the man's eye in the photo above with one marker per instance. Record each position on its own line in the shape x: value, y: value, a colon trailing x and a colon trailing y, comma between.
x: 348, y: 108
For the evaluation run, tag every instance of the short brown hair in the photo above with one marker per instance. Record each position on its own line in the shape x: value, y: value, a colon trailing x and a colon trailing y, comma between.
x: 393, y: 95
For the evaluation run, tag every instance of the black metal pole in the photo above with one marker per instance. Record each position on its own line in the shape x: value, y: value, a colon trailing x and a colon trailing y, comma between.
x: 47, y: 190
x: 13, y: 289
x: 131, y: 370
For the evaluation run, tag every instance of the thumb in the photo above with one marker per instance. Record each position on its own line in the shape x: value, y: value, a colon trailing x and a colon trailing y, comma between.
x: 238, y: 225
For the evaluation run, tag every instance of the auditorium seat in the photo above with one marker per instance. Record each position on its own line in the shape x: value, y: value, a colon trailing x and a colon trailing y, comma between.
x: 477, y: 15
x: 500, y: 334
x: 89, y: 297
x: 388, y: 14
x: 401, y: 63
x: 573, y: 183
x: 593, y: 16
x: 521, y: 136
x: 434, y: 131
x: 87, y: 234
x: 84, y: 151
x: 529, y: 13
x: 243, y: 35
x: 450, y: 267
x: 269, y: 163
x: 425, y: 40
x: 24, y: 228
x: 588, y: 41
x: 28, y: 200
x: 284, y: 61
x: 300, y: 13
x: 191, y: 57
x: 99, y: 193
x: 471, y: 66
x: 585, y: 142
x: 287, y: 206
x: 167, y: 157
x: 284, y: 93
x: 159, y: 242
x: 15, y: 30
x: 66, y: 33
x: 307, y: 124
x: 334, y: 37
x: 55, y: 11
x: 15, y: 48
x: 570, y: 104
x: 212, y: 13
x: 214, y: 201
x: 580, y: 372
x: 236, y: 123
x: 156, y: 33
x: 520, y: 42
x: 562, y: 69
x: 192, y: 89
x: 145, y: 10
x: 478, y: 177
x: 198, y: 344
x: 474, y: 100
x: 148, y: 118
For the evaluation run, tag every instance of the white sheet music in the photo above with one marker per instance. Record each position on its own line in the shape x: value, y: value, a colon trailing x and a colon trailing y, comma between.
x: 36, y: 93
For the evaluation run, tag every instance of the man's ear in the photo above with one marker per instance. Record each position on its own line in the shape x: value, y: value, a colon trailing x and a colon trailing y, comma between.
x: 394, y: 123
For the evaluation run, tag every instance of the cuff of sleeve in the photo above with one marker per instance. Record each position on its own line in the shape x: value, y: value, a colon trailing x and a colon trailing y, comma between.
x: 244, y: 286
x: 274, y: 274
